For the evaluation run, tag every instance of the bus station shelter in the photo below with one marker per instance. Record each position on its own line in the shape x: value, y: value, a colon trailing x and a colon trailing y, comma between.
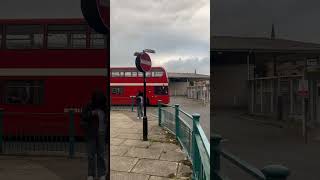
x: 267, y: 77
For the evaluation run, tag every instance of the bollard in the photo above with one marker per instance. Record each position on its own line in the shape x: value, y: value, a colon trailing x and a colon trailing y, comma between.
x: 275, y: 172
x: 177, y: 121
x: 71, y: 134
x: 215, y: 160
x: 195, y: 153
x: 159, y: 112
x: 1, y: 130
x: 132, y: 103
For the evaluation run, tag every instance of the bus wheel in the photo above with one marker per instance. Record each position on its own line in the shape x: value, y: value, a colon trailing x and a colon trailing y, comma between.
x: 148, y: 102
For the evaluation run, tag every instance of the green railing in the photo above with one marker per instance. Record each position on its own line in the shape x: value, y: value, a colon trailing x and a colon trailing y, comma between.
x: 190, y: 135
x: 21, y: 139
x: 270, y: 172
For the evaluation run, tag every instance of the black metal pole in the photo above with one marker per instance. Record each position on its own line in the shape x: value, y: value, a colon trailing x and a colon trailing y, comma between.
x: 145, y: 119
x: 306, y: 117
x: 107, y: 45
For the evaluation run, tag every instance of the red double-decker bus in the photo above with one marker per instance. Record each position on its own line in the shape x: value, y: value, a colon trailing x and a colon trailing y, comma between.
x: 127, y: 82
x: 47, y: 67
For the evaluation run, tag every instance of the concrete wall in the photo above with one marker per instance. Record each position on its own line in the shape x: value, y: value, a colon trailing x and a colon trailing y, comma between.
x: 230, y: 86
x: 178, y: 88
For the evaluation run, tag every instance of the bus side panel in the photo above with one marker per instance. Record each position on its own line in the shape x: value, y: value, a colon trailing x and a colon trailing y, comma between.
x: 51, y: 117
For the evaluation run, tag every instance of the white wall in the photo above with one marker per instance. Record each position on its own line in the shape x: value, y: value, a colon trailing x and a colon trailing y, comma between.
x: 178, y: 88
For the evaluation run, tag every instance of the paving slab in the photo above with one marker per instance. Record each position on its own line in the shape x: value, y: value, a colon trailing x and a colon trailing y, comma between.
x: 176, y: 155
x: 156, y: 167
x: 115, y: 175
x: 158, y: 178
x: 144, y: 153
x: 136, y: 143
x: 119, y: 163
x: 165, y: 146
x: 119, y: 150
x: 130, y: 136
x: 116, y: 141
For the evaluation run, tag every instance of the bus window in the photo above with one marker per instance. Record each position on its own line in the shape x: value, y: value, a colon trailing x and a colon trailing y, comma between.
x: 78, y: 41
x: 66, y: 36
x: 161, y: 90
x: 134, y: 74
x: 148, y: 74
x: 24, y: 92
x: 115, y: 74
x: 117, y: 90
x: 24, y: 37
x: 140, y: 74
x: 127, y: 74
x: 157, y: 74
x: 96, y: 40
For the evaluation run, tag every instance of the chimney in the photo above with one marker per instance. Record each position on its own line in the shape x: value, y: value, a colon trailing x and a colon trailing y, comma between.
x: 273, y: 35
x: 195, y: 71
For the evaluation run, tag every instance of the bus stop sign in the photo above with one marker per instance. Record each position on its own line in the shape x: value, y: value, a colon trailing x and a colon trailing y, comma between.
x: 97, y: 14
x: 143, y: 62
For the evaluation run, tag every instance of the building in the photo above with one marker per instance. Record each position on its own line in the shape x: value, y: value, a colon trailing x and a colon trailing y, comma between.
x: 189, y: 84
x: 263, y: 75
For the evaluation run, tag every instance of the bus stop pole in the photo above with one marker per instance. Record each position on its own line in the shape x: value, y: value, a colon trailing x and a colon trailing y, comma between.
x: 145, y: 119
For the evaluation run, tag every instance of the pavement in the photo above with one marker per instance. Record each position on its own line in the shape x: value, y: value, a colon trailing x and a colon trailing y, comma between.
x: 159, y: 158
x: 261, y: 144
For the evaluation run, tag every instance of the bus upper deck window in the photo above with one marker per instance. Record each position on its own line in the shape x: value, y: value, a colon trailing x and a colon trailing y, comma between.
x: 115, y: 74
x: 127, y: 74
x: 67, y: 36
x: 24, y: 36
x: 158, y: 73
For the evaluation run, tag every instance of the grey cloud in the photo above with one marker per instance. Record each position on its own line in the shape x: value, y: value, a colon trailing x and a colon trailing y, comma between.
x: 189, y: 65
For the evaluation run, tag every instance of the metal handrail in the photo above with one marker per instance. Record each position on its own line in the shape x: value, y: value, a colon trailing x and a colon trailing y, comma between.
x: 196, y: 146
x: 270, y: 172
x: 243, y: 165
x: 204, y: 139
x: 185, y: 113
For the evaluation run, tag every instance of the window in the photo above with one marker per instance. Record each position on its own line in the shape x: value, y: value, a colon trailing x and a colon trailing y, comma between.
x: 157, y: 73
x: 148, y: 74
x: 23, y: 92
x: 161, y: 90
x: 117, y: 90
x: 24, y: 37
x: 66, y: 36
x: 134, y: 74
x: 140, y: 74
x: 96, y: 40
x: 115, y: 74
x: 127, y: 74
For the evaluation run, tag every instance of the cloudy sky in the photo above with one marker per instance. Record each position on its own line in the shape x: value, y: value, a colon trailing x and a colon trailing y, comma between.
x: 178, y: 30
x: 293, y: 19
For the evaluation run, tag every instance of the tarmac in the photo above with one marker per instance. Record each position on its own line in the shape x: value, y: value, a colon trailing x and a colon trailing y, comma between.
x: 260, y: 142
x: 159, y: 158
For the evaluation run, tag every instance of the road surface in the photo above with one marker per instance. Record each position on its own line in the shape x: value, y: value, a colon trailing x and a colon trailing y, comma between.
x: 261, y: 145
